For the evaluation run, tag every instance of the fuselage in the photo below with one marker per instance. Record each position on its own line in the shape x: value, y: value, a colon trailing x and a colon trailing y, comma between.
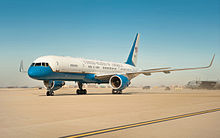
x: 65, y: 68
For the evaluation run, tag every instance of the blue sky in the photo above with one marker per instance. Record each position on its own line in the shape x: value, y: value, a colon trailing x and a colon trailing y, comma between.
x: 176, y: 33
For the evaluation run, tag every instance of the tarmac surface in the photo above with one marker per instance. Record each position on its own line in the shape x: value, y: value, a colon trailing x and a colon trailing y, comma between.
x: 29, y: 113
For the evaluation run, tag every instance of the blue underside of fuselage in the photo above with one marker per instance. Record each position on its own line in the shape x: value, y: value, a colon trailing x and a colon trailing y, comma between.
x: 46, y: 73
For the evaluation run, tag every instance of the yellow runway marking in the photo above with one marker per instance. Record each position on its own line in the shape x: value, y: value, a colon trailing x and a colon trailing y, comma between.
x: 96, y: 132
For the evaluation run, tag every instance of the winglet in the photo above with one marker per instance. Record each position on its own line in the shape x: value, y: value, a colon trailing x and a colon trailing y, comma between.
x: 21, y: 68
x: 212, y: 61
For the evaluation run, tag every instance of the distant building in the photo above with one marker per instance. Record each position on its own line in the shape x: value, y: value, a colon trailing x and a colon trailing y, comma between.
x: 203, y: 85
x: 146, y: 88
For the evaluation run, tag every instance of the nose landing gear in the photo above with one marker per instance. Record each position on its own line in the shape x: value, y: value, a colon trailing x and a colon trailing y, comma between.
x: 50, y: 93
x: 81, y: 90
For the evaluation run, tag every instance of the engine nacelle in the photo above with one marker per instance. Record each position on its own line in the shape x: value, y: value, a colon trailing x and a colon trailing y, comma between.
x: 54, y: 85
x: 119, y: 82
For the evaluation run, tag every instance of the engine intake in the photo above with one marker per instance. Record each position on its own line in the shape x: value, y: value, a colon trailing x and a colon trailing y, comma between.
x: 54, y: 85
x: 119, y: 82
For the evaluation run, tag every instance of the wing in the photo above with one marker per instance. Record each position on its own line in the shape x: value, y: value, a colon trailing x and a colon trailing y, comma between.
x: 150, y: 71
x: 167, y: 70
x: 104, y: 77
x: 156, y: 69
x: 108, y: 76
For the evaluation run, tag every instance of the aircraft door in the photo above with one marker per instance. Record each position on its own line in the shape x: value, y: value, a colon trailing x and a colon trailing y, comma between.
x: 57, y: 66
x: 76, y: 66
x: 83, y: 67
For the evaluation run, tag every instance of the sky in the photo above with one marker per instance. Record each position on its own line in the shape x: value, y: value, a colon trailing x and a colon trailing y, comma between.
x: 173, y: 33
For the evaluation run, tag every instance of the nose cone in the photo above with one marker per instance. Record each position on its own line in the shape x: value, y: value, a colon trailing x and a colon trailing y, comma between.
x: 34, y: 72
x: 38, y: 72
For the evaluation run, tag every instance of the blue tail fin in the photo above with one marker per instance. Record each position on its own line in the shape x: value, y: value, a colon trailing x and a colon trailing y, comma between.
x: 132, y: 58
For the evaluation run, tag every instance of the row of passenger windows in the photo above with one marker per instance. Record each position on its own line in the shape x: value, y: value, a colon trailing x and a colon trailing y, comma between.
x: 40, y: 64
x: 95, y: 67
x: 110, y: 68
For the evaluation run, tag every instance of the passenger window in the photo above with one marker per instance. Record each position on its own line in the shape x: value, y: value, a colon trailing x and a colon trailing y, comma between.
x: 33, y: 64
x: 43, y: 64
x: 47, y: 65
x: 38, y: 64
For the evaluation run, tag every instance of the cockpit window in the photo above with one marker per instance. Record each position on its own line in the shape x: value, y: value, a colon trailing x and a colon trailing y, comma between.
x: 33, y: 64
x: 40, y: 64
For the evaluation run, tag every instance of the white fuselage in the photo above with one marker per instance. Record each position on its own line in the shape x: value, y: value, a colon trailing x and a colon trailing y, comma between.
x: 78, y: 65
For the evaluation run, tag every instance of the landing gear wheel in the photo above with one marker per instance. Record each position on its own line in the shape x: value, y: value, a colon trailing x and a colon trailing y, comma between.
x: 80, y: 90
x: 83, y: 91
x: 50, y: 93
x: 116, y: 91
x: 119, y: 91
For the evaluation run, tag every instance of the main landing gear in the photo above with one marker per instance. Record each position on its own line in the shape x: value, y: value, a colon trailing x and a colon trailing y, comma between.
x: 81, y: 90
x: 114, y: 91
x: 50, y: 93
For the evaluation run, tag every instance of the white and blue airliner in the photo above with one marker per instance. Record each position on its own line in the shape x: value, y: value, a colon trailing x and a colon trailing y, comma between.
x: 55, y: 70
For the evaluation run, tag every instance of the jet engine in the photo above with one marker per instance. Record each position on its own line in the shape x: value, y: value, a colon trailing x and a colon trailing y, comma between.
x: 54, y: 85
x: 119, y: 82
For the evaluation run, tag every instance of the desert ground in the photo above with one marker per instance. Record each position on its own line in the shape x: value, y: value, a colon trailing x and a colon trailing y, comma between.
x: 29, y: 113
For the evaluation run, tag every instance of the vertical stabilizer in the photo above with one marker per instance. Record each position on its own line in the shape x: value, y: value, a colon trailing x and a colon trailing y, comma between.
x: 132, y: 57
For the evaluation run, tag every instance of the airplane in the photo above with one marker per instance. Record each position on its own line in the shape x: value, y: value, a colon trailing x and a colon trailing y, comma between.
x: 55, y: 70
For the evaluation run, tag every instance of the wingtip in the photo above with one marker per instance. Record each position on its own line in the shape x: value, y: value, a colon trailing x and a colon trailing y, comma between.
x: 212, y: 60
x: 21, y: 68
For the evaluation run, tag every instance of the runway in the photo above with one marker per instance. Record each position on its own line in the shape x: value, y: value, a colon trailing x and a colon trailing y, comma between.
x: 153, y: 113
x: 96, y: 132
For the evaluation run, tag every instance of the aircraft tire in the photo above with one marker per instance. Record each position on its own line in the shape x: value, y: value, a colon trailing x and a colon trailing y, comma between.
x: 119, y: 91
x: 50, y: 93
x: 84, y: 91
x: 114, y: 91
x: 79, y: 92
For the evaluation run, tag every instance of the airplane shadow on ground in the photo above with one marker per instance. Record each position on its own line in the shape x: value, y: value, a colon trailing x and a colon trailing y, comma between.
x: 74, y: 94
